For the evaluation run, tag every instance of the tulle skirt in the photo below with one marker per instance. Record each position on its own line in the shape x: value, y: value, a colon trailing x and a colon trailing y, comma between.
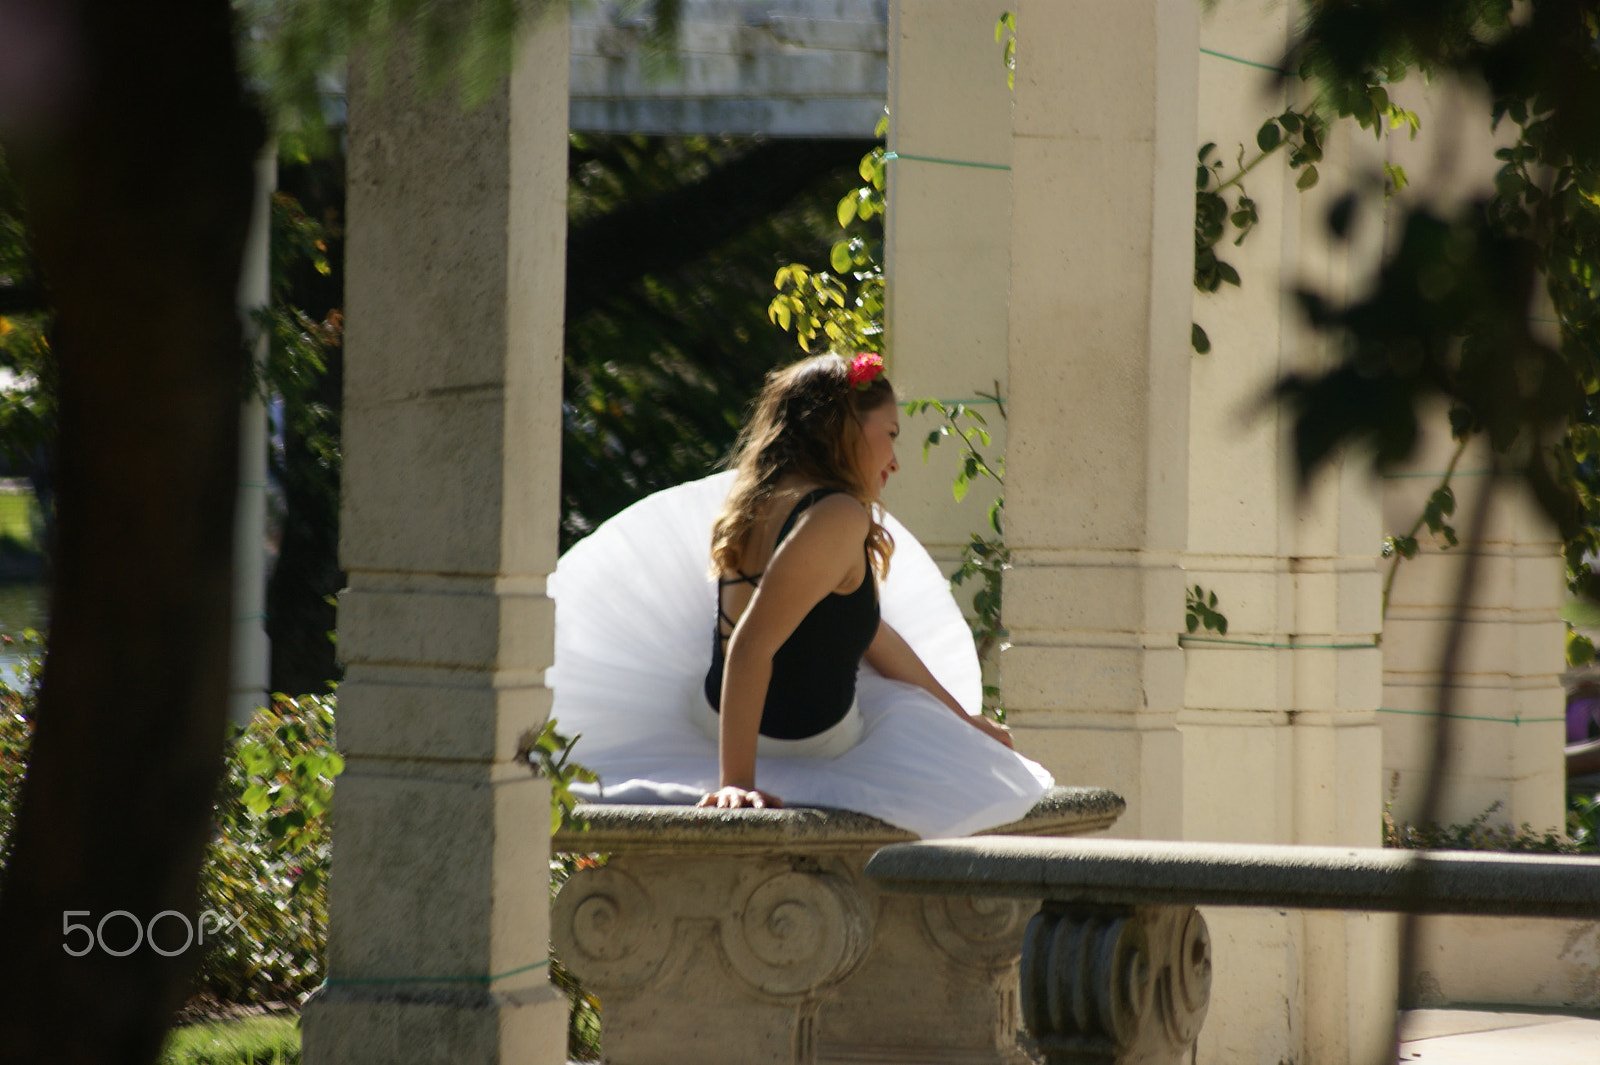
x: 635, y: 615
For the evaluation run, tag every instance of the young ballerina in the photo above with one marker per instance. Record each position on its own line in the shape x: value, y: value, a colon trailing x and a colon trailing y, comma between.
x: 798, y: 552
x: 744, y: 640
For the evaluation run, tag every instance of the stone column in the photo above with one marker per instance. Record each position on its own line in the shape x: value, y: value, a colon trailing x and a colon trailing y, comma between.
x: 1506, y: 742
x: 251, y: 652
x: 440, y: 898
x: 1281, y: 741
x: 1507, y: 745
x: 947, y: 244
x: 1103, y: 141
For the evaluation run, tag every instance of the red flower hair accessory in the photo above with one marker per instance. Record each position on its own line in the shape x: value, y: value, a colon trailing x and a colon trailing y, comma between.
x: 864, y: 369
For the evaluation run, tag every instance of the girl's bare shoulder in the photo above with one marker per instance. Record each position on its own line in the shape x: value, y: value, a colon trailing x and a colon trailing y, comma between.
x: 836, y: 514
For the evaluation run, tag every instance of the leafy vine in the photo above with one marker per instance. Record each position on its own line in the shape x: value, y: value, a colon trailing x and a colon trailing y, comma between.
x: 984, y: 559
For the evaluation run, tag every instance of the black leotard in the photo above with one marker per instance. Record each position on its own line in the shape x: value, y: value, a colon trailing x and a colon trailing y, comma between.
x: 814, y: 672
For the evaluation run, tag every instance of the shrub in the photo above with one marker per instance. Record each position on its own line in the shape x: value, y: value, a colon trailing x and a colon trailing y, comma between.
x: 267, y: 870
x: 16, y: 734
x: 1583, y: 813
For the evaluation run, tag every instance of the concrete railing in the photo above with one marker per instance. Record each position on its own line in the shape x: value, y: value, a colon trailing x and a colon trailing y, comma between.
x: 1116, y: 965
x: 745, y: 937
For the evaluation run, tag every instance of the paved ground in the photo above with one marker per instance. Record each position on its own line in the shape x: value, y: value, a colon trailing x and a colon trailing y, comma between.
x: 1465, y: 1037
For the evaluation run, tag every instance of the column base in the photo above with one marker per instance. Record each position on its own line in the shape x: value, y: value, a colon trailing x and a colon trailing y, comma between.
x: 437, y: 1025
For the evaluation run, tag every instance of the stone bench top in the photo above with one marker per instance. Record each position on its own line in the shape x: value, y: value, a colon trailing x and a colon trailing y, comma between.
x: 1161, y: 872
x: 623, y: 827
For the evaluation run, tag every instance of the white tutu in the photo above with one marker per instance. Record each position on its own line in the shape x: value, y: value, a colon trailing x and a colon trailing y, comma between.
x: 635, y: 613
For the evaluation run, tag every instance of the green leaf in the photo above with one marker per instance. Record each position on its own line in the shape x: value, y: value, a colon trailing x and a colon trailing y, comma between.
x: 1191, y: 622
x: 1227, y: 273
x: 1269, y: 136
x: 839, y: 257
x: 958, y: 487
x: 847, y: 209
x: 1580, y: 649
x: 1308, y: 178
x: 1198, y: 338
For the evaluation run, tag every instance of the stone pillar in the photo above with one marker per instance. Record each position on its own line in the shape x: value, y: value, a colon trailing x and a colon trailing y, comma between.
x: 1103, y: 141
x: 440, y: 899
x: 947, y: 244
x: 1507, y: 745
x: 1281, y: 742
x: 1506, y: 742
x: 1280, y: 734
x: 251, y: 651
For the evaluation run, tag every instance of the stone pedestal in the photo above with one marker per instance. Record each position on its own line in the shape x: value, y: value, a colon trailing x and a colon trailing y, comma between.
x: 439, y: 906
x: 747, y: 937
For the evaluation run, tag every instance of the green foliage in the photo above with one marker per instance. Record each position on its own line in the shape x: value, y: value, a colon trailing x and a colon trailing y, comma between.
x: 548, y: 753
x: 300, y: 351
x: 1200, y: 609
x: 984, y: 559
x: 659, y: 369
x: 1005, y: 35
x: 1449, y: 313
x: 1479, y: 835
x: 1580, y: 649
x: 583, y: 1022
x: 16, y: 735
x: 267, y: 1040
x: 267, y: 869
x: 1583, y: 822
x: 843, y: 307
x: 27, y: 407
x: 293, y: 46
x: 1300, y: 134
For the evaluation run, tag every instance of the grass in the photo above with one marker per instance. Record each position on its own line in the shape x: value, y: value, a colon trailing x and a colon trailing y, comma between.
x: 16, y: 520
x: 265, y: 1040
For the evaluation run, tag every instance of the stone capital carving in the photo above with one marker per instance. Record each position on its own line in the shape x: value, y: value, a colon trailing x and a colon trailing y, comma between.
x: 974, y: 930
x: 1116, y: 985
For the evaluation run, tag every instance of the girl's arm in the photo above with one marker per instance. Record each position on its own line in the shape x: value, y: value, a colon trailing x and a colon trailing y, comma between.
x: 815, y: 559
x: 890, y: 655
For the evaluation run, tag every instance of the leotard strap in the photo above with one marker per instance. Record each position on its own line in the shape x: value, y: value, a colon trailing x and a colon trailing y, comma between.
x: 754, y: 579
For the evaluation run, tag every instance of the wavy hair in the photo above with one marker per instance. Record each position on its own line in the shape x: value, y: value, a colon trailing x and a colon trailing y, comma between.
x: 806, y: 421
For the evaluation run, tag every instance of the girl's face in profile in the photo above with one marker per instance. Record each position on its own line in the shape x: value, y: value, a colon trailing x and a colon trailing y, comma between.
x: 875, y: 459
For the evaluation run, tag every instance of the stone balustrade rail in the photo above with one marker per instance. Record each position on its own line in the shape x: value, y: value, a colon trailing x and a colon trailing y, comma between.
x: 1116, y: 965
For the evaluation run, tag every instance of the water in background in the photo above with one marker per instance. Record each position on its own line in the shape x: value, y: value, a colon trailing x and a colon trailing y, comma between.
x: 22, y: 606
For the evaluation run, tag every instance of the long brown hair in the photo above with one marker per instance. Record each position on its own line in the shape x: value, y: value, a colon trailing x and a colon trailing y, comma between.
x: 807, y: 422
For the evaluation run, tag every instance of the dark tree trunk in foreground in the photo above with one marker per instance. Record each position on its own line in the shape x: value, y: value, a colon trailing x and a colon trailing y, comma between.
x: 136, y: 167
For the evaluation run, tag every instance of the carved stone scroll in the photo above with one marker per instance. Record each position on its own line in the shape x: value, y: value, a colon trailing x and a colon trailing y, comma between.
x: 795, y: 933
x: 606, y: 929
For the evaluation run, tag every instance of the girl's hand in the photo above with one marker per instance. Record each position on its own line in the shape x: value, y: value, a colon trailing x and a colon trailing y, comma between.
x: 993, y: 729
x: 732, y: 798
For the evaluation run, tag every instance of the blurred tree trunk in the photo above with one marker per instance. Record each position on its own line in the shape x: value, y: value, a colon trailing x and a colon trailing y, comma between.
x: 134, y: 150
